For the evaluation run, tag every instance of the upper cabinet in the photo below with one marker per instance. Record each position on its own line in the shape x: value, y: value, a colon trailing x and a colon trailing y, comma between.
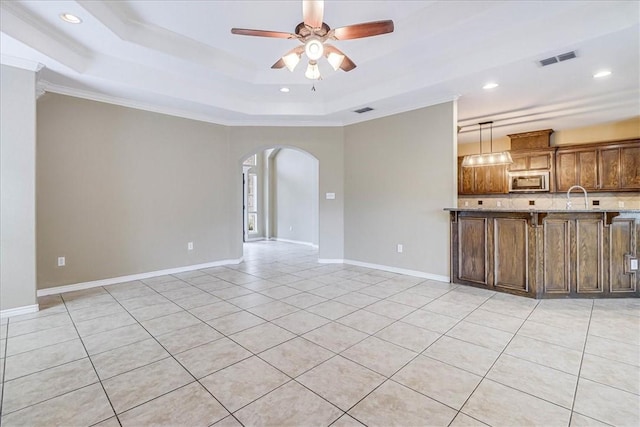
x: 577, y: 167
x: 482, y: 180
x: 611, y: 166
x: 606, y: 166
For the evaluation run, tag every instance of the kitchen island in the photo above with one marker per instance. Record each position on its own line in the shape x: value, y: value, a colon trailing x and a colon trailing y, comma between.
x: 547, y: 253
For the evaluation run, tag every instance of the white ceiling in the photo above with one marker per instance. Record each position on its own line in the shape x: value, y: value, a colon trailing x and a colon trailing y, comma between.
x: 179, y: 57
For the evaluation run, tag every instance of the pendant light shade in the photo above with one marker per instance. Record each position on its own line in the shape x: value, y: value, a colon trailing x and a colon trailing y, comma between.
x: 291, y: 60
x: 313, y: 72
x: 487, y: 159
x: 335, y: 59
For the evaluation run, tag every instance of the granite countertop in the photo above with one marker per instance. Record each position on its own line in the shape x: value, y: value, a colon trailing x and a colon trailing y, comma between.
x: 469, y: 209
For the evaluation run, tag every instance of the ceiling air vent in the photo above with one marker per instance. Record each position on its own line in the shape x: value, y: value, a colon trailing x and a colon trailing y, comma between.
x: 363, y: 110
x: 559, y: 58
x: 566, y: 56
x: 548, y: 61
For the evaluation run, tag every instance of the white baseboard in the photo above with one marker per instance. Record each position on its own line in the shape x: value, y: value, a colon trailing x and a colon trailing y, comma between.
x: 330, y: 261
x: 297, y: 242
x: 19, y: 310
x: 404, y: 271
x: 132, y: 277
x: 255, y: 239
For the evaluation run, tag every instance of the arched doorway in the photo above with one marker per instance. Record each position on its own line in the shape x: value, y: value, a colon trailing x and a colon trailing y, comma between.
x: 281, y: 196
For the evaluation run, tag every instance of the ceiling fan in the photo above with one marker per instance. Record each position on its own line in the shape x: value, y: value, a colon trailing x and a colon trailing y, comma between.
x: 312, y: 32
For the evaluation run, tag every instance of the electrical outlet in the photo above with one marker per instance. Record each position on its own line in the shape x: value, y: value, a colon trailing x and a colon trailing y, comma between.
x: 61, y: 261
x: 400, y: 248
x: 190, y: 246
x: 291, y: 228
x: 466, y: 203
x: 621, y: 204
x: 499, y: 203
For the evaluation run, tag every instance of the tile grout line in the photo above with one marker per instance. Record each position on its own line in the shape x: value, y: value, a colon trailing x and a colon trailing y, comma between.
x: 586, y: 337
x: 388, y: 378
x: 494, y: 362
x: 91, y: 360
x: 177, y: 361
x: 4, y: 368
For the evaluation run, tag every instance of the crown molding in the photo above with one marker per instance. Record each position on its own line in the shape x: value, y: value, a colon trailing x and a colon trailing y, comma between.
x: 22, y: 63
x: 124, y: 102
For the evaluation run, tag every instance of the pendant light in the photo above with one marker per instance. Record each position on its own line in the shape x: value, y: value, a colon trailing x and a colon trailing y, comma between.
x: 487, y: 159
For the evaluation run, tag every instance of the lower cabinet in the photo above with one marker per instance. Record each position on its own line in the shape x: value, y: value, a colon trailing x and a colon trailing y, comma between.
x: 546, y: 254
x: 494, y: 251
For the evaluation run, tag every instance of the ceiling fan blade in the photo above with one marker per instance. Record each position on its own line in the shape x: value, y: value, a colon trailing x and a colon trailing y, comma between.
x: 263, y: 33
x: 313, y: 12
x: 279, y: 64
x: 366, y: 29
x: 347, y: 64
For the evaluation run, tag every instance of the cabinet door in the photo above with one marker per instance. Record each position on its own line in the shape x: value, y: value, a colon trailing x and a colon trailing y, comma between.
x: 566, y: 170
x: 630, y: 168
x: 490, y: 180
x: 465, y: 179
x: 588, y: 169
x: 542, y: 162
x: 610, y: 169
x: 519, y: 163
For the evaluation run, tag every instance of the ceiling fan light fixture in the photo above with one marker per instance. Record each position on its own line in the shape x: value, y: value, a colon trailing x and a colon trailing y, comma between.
x: 313, y: 72
x: 314, y: 49
x: 291, y: 60
x: 335, y: 59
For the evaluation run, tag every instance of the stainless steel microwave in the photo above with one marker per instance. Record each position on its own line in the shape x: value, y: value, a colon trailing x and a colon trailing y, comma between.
x: 528, y: 181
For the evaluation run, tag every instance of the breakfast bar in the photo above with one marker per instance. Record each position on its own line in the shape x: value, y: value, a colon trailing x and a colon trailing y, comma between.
x: 547, y: 253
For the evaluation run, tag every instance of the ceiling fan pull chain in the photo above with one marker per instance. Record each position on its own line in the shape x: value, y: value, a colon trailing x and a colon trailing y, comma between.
x: 313, y: 88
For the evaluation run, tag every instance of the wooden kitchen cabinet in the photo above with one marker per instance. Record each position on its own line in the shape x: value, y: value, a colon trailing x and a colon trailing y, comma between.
x: 620, y: 167
x: 482, y: 179
x: 577, y: 167
x: 491, y: 180
x: 612, y: 166
x: 541, y: 159
x: 546, y: 254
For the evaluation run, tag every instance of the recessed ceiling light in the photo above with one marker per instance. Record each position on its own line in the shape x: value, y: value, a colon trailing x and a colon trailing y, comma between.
x: 284, y: 89
x: 70, y: 18
x: 602, y: 74
x: 491, y: 85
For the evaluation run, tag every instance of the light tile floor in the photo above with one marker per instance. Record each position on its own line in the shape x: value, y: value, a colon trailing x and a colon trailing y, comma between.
x: 281, y: 340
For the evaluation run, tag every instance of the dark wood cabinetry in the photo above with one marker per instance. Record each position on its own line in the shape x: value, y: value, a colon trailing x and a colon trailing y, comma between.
x: 546, y: 254
x: 577, y: 167
x: 610, y: 166
x: 613, y: 166
x: 482, y: 179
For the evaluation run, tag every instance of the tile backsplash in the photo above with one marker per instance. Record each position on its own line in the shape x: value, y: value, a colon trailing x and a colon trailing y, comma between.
x: 627, y: 200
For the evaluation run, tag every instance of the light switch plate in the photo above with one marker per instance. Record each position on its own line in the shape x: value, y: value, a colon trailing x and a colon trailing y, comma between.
x: 630, y: 264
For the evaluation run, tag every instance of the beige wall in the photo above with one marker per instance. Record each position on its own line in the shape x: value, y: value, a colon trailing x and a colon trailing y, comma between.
x: 17, y: 188
x: 295, y: 193
x: 399, y: 175
x: 624, y: 129
x: 121, y: 191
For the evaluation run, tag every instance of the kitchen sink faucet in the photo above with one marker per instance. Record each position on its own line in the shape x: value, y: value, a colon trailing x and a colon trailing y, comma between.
x: 586, y: 204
